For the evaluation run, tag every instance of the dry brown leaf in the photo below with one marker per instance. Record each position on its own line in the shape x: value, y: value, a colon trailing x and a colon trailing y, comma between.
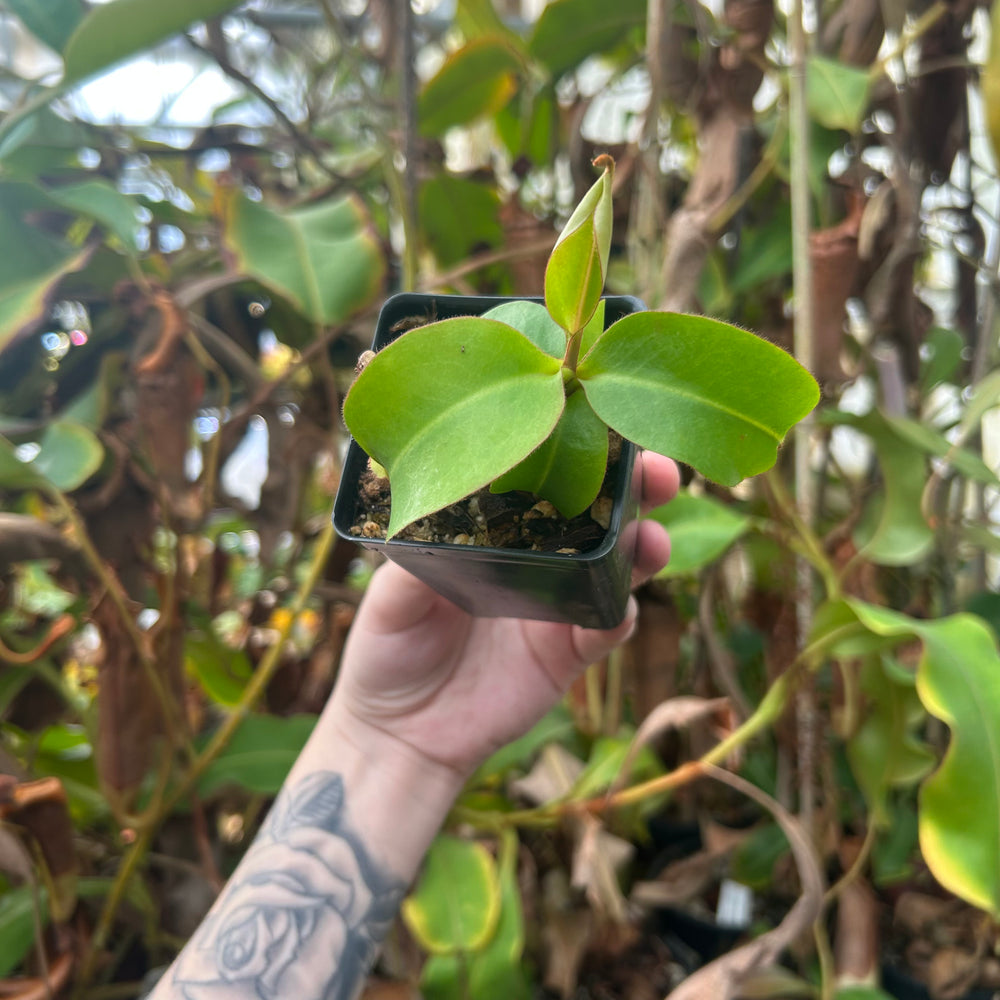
x: 567, y: 936
x: 553, y: 776
x: 680, y: 882
x: 597, y: 860
x: 673, y: 714
x: 39, y: 989
x: 722, y: 979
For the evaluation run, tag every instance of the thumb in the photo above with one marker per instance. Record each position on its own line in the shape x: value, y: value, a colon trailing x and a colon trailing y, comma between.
x: 592, y: 644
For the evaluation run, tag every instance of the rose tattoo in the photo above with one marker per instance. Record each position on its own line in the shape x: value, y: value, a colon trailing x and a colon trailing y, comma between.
x: 304, y: 913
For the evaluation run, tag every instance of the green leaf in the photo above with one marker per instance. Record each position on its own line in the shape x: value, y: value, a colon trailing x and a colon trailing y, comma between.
x: 836, y: 94
x: 30, y: 271
x: 477, y: 80
x: 765, y: 252
x: 101, y: 200
x: 496, y: 972
x: 260, y: 754
x: 604, y: 765
x: 941, y: 357
x: 567, y: 469
x: 894, y: 532
x: 578, y: 264
x: 569, y: 31
x: 478, y: 19
x: 222, y: 671
x: 448, y: 407
x: 456, y: 904
x: 323, y: 257
x: 886, y: 751
x: 701, y: 529
x: 459, y: 216
x: 985, y: 396
x: 933, y: 443
x: 960, y: 802
x: 69, y: 455
x: 754, y: 859
x: 701, y: 391
x: 17, y: 925
x: 534, y: 321
x: 115, y: 31
x: 50, y: 21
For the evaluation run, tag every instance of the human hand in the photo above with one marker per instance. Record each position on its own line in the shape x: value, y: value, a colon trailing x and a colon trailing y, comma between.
x: 453, y: 688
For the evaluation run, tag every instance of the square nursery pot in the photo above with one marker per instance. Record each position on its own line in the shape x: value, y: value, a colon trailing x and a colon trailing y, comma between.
x: 590, y: 588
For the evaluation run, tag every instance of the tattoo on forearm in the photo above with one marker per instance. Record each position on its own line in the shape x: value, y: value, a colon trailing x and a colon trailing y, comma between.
x: 303, y: 916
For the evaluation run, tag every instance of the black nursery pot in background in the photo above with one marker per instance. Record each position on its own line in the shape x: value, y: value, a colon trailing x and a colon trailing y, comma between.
x: 589, y: 588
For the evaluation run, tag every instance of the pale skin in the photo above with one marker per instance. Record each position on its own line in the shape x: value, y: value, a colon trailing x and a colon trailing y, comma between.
x: 425, y: 694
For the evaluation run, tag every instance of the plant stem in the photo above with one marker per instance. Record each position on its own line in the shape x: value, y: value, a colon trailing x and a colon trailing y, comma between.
x: 163, y: 802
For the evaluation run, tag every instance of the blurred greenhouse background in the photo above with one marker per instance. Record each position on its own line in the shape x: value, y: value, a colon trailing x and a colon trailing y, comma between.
x: 202, y: 206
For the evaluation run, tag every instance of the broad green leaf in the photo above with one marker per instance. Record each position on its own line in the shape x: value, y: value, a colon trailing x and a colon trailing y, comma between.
x: 477, y: 80
x: 17, y: 924
x: 495, y: 972
x: 478, y: 19
x: 933, y: 443
x: 960, y: 802
x: 754, y: 859
x: 567, y: 469
x: 886, y: 751
x: 894, y: 532
x: 605, y: 764
x: 459, y: 216
x: 69, y: 456
x: 260, y: 754
x: 578, y: 264
x: 456, y: 904
x: 699, y: 390
x: 448, y: 407
x: 837, y: 94
x: 323, y: 257
x: 112, y: 32
x: 222, y: 671
x: 896, y: 848
x: 941, y: 357
x: 30, y: 274
x: 569, y: 31
x: 765, y: 252
x: 101, y: 200
x: 534, y: 321
x: 527, y: 125
x: 43, y: 138
x: 445, y: 977
x: 50, y: 21
x: 701, y: 529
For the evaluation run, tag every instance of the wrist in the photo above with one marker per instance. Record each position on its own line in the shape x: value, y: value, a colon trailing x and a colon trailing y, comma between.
x: 397, y: 797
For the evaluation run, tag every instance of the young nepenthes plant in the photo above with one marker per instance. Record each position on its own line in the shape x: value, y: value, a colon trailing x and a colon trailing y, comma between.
x: 522, y: 397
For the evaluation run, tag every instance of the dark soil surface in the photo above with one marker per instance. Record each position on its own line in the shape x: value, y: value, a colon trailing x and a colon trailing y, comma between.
x: 512, y: 520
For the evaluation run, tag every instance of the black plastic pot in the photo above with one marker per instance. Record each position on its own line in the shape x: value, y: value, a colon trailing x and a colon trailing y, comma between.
x: 588, y: 589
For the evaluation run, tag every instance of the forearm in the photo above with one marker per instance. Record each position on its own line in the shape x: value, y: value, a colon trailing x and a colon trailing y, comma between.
x: 306, y: 908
